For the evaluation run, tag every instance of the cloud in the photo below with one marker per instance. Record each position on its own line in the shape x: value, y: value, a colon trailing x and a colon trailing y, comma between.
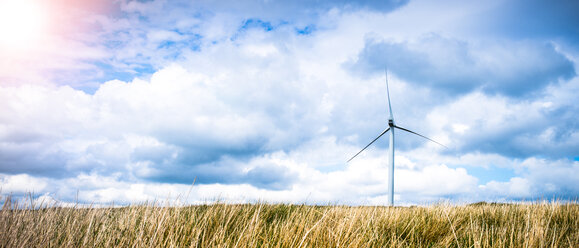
x: 436, y: 180
x: 127, y: 39
x: 522, y: 129
x: 457, y: 67
x: 21, y: 184
x: 288, y: 10
x: 540, y: 179
x: 533, y: 19
x: 178, y: 126
x: 274, y: 177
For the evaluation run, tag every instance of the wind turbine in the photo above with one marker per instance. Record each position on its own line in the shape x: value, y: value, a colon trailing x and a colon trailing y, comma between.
x: 391, y: 127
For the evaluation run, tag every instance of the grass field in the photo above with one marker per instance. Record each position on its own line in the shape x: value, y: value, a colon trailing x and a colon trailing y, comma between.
x: 281, y: 225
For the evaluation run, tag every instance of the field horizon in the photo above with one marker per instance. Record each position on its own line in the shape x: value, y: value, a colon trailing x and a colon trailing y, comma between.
x: 219, y: 224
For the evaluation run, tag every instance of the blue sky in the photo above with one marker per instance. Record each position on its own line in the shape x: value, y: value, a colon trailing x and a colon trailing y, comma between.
x: 127, y: 101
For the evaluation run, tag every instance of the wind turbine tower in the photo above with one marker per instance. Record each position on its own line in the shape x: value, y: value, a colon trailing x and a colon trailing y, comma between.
x: 391, y: 127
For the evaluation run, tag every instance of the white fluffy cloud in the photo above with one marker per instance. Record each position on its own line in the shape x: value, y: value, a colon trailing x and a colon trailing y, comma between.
x: 456, y: 66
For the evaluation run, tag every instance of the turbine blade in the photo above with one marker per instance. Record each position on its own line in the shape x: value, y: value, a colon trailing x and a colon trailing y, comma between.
x: 369, y: 144
x: 401, y: 128
x: 388, y: 93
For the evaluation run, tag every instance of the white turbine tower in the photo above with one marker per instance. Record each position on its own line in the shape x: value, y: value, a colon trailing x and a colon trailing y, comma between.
x: 391, y: 127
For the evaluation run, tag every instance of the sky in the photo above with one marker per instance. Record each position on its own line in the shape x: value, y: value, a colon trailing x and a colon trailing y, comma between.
x: 127, y: 101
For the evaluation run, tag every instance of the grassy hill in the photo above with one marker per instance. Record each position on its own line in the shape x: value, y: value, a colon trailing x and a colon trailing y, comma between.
x: 282, y: 225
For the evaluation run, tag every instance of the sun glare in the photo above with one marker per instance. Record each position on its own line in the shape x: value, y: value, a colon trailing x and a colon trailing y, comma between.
x: 22, y: 23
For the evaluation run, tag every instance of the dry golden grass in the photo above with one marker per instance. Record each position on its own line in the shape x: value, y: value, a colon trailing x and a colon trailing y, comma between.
x: 282, y: 225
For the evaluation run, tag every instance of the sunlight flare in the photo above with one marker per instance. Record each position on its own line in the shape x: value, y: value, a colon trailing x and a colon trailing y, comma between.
x: 22, y: 23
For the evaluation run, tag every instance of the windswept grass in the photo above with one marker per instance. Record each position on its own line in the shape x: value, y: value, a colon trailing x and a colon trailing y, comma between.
x: 281, y: 225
